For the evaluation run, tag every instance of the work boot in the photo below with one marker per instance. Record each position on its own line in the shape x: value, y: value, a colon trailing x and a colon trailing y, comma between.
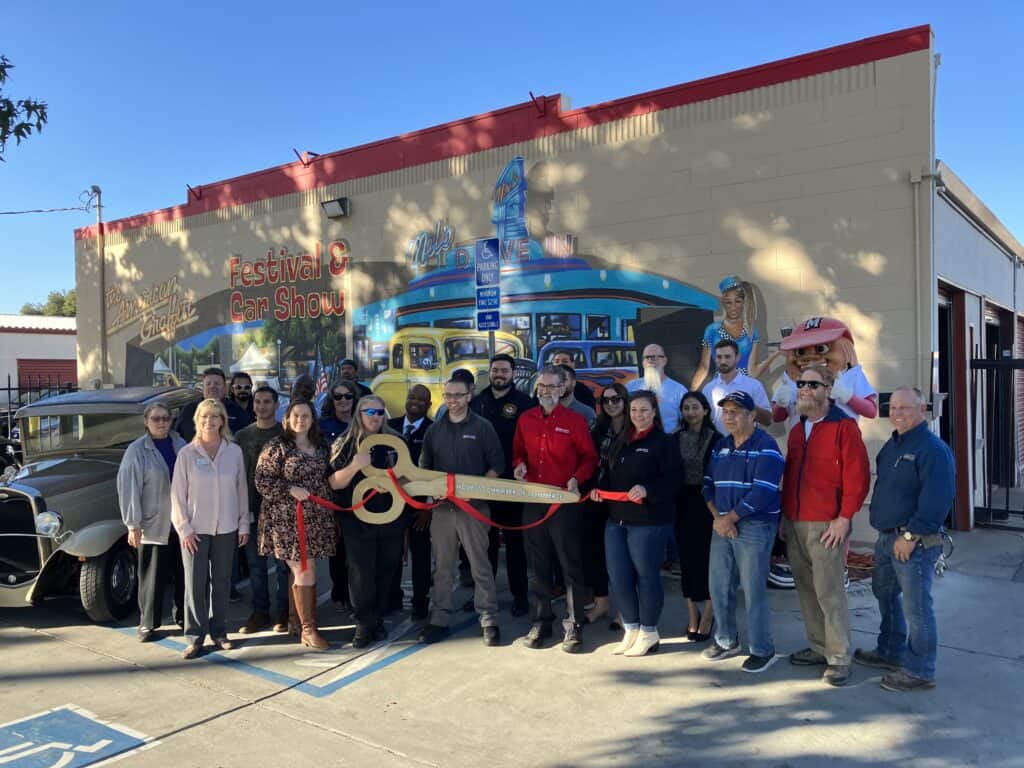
x: 305, y: 604
x: 573, y: 640
x: 872, y: 658
x: 257, y: 622
x: 536, y: 636
x: 837, y: 674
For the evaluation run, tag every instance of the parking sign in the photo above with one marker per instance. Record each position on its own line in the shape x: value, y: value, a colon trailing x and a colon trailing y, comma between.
x: 67, y: 736
x: 488, y: 284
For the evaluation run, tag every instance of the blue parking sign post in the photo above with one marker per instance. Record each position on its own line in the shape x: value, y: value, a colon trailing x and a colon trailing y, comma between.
x: 488, y: 288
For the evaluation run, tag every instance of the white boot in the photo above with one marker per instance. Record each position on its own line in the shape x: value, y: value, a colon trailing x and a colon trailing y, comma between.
x: 646, y: 642
x: 627, y: 641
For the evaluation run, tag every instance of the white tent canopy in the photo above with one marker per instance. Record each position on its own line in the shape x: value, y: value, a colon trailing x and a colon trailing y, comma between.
x: 253, y: 361
x: 159, y: 366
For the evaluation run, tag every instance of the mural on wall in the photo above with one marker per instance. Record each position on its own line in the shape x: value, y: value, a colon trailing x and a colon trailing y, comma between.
x: 280, y: 313
x: 552, y: 299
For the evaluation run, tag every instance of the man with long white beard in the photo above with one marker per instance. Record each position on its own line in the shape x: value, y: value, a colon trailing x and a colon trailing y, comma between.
x: 669, y: 391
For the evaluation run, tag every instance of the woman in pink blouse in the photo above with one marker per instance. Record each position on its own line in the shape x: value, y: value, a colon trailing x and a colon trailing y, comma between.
x: 210, y: 511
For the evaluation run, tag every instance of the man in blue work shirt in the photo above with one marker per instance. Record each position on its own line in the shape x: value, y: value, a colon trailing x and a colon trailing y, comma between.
x: 913, y: 494
x: 741, y: 489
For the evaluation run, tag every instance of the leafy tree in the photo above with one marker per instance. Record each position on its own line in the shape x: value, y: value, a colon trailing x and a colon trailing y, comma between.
x: 58, y: 304
x: 18, y: 118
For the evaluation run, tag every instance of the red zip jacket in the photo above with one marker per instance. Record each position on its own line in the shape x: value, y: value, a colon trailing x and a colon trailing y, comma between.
x: 828, y: 475
x: 554, y: 448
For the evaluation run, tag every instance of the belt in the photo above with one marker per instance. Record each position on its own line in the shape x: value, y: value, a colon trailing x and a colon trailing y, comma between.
x: 927, y: 540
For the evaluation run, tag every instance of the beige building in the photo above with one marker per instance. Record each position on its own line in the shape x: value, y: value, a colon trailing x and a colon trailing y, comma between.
x: 813, y: 179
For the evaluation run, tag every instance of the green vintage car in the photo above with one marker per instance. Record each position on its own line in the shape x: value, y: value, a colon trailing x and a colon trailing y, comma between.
x: 60, y: 523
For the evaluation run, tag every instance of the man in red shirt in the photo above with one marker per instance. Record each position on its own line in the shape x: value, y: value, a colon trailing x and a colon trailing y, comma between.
x: 552, y: 445
x: 825, y: 482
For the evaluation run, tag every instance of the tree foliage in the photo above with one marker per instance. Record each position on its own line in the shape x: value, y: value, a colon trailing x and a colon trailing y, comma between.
x: 58, y: 304
x: 18, y: 117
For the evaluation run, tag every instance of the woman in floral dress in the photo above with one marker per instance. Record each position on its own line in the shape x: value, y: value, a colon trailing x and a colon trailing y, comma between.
x: 291, y: 468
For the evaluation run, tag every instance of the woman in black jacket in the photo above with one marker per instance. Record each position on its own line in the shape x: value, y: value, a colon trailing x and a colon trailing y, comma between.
x: 644, y: 469
x: 697, y: 437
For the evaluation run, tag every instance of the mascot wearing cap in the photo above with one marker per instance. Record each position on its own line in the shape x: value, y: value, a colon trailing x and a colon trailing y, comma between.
x: 825, y: 341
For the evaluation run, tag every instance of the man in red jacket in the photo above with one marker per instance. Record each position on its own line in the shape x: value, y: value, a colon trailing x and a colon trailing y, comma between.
x: 552, y: 445
x: 825, y: 482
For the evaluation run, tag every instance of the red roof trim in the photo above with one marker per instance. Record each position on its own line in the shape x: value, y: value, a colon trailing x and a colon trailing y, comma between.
x: 522, y: 122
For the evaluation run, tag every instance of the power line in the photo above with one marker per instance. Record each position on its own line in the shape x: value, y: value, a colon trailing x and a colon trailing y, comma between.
x: 86, y: 198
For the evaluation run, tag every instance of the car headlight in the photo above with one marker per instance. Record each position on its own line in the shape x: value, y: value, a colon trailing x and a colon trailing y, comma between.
x: 49, y: 524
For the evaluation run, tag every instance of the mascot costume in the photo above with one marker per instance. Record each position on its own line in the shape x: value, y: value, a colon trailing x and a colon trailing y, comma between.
x: 826, y: 341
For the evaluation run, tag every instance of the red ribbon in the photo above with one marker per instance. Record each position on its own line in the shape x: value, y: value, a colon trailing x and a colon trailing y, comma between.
x: 300, y: 518
x: 616, y: 496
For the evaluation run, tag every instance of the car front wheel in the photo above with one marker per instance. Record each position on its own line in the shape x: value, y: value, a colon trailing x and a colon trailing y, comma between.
x: 108, y: 584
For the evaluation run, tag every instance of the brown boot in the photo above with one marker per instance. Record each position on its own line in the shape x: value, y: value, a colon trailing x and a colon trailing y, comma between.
x: 294, y: 626
x: 305, y: 603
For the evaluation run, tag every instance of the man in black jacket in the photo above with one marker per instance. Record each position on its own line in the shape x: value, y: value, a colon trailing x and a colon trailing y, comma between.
x: 412, y: 427
x: 214, y: 387
x: 501, y: 403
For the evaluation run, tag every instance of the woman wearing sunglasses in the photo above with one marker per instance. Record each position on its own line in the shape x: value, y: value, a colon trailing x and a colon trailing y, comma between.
x: 336, y: 412
x: 144, y: 492
x: 611, y: 420
x: 374, y: 551
x: 643, y: 464
x: 697, y: 437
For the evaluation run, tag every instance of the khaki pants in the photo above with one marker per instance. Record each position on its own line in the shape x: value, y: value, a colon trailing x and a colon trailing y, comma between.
x: 819, y: 574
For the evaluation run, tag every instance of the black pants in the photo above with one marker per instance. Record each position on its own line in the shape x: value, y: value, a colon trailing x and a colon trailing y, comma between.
x: 694, y: 527
x: 509, y: 513
x: 595, y: 568
x: 372, y: 560
x: 559, y: 540
x: 339, y: 566
x: 160, y: 565
x: 419, y: 559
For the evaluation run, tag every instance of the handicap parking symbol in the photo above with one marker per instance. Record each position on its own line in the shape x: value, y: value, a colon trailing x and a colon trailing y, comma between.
x: 66, y: 737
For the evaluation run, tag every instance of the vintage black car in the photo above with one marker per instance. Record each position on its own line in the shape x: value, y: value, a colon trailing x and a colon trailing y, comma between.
x: 60, y: 524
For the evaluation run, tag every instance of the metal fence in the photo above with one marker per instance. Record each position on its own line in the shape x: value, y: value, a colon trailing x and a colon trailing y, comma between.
x: 25, y: 390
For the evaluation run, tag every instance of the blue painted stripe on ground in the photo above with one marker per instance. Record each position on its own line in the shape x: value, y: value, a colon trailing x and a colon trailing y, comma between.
x: 310, y: 689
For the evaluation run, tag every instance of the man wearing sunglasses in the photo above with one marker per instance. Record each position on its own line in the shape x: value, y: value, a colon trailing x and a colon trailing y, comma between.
x: 349, y: 369
x: 825, y: 482
x: 241, y: 392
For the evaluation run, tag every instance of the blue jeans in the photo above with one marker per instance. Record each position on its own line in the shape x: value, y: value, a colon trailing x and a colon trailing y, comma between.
x: 634, y: 554
x: 258, y: 578
x: 743, y: 561
x: 908, y: 635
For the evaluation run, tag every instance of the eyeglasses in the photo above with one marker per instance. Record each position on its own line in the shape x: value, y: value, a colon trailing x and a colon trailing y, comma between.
x: 159, y: 419
x: 343, y: 396
x: 812, y: 384
x: 373, y: 411
x: 455, y: 395
x: 548, y: 387
x: 611, y: 400
x: 654, y: 357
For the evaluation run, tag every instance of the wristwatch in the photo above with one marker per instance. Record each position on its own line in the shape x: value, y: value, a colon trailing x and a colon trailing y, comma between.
x: 908, y: 536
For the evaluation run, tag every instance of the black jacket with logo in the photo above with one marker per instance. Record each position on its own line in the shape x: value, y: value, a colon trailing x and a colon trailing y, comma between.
x: 652, y: 461
x: 503, y: 413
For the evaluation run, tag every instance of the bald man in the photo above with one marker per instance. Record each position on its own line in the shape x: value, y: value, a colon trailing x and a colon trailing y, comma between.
x: 669, y: 391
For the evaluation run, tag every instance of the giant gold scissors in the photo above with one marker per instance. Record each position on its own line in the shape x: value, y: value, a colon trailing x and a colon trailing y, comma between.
x: 415, y: 481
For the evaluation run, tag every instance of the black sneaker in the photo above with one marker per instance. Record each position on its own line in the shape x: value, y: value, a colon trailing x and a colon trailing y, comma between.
x: 380, y: 632
x: 754, y: 664
x: 520, y: 607
x: 432, y: 633
x: 780, y: 576
x: 903, y: 682
x: 419, y: 612
x: 363, y: 636
x: 492, y: 636
x: 715, y: 652
x: 573, y: 640
x: 536, y: 636
x: 874, y: 660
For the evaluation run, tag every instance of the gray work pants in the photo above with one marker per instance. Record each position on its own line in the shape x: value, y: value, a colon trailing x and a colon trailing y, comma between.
x: 207, y: 584
x: 449, y: 526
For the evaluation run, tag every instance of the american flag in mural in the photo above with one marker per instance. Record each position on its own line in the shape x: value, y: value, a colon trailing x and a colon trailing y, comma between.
x: 320, y: 373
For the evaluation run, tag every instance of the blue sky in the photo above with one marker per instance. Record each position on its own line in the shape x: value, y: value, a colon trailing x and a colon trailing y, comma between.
x: 144, y: 100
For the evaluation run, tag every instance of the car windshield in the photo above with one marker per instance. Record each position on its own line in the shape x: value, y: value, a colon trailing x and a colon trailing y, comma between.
x: 41, y: 435
x: 613, y: 357
x: 475, y: 349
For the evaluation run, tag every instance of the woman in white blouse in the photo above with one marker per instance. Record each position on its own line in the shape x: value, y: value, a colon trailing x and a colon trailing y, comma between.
x: 210, y: 511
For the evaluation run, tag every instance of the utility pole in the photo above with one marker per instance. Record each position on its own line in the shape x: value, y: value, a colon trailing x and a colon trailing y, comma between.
x: 101, y: 261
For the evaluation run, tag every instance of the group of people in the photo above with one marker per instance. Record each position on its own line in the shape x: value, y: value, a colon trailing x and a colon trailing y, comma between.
x: 650, y: 462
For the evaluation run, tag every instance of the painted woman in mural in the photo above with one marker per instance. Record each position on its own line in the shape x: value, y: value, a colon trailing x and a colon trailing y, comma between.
x: 737, y: 324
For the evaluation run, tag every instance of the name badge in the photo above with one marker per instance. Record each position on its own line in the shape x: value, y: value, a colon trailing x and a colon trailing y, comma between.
x: 562, y: 431
x: 469, y: 437
x: 201, y: 462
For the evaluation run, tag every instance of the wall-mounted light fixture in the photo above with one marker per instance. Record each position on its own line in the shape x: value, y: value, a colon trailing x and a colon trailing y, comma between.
x: 336, y: 209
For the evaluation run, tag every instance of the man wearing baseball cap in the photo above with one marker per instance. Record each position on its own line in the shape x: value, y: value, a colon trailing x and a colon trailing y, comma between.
x: 349, y: 370
x: 741, y: 489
